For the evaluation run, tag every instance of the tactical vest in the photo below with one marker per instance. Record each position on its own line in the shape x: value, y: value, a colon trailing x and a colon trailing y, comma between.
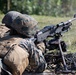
x: 6, y: 43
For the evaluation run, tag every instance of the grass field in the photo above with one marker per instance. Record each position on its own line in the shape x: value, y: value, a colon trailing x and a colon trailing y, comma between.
x: 1, y: 16
x: 69, y: 37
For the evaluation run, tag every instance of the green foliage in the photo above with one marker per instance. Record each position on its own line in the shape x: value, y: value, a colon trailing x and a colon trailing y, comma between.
x: 3, y: 5
x: 41, y: 7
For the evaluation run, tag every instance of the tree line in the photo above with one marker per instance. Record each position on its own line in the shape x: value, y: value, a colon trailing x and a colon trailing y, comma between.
x: 40, y: 7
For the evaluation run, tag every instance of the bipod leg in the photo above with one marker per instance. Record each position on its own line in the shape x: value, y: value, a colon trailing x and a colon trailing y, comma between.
x: 63, y: 59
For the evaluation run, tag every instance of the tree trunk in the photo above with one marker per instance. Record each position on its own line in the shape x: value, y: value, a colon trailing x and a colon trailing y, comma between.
x: 8, y: 5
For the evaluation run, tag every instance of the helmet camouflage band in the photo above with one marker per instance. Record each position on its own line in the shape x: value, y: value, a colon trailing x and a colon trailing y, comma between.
x: 25, y: 25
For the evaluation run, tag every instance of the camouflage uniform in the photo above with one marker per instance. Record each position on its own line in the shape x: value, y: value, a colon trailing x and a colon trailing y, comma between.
x: 3, y: 30
x: 22, y: 54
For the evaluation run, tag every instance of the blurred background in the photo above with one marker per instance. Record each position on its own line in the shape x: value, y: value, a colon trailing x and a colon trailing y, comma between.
x: 40, y: 7
x: 46, y: 12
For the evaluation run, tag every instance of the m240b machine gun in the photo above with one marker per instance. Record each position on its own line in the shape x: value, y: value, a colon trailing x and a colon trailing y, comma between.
x: 55, y: 31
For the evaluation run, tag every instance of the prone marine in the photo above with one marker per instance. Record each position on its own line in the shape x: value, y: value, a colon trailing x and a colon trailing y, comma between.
x: 17, y: 51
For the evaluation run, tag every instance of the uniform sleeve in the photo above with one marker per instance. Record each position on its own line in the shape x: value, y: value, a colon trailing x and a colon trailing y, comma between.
x: 3, y: 30
x: 41, y: 46
x: 36, y: 58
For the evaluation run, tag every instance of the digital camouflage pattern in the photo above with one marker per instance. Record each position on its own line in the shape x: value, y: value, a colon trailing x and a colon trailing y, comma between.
x: 37, y: 61
x: 3, y: 30
x: 25, y: 25
x: 12, y: 52
x: 16, y: 59
x: 14, y: 56
x: 20, y: 54
x: 41, y: 46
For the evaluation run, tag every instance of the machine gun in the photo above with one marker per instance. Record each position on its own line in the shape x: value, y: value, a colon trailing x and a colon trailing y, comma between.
x: 55, y: 31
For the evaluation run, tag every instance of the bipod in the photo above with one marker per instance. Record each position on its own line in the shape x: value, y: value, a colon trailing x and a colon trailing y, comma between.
x: 63, y: 59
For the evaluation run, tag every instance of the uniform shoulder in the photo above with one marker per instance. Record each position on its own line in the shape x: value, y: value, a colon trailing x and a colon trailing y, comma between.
x: 3, y: 30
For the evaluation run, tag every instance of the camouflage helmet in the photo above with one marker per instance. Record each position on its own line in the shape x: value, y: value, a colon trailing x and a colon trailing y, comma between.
x: 9, y: 17
x: 25, y: 25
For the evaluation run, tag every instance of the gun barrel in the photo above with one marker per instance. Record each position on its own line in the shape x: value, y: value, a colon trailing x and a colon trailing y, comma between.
x: 73, y: 19
x: 69, y: 21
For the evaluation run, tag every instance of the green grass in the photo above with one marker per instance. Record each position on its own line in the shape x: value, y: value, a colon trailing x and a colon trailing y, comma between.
x: 69, y: 37
x: 1, y: 16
